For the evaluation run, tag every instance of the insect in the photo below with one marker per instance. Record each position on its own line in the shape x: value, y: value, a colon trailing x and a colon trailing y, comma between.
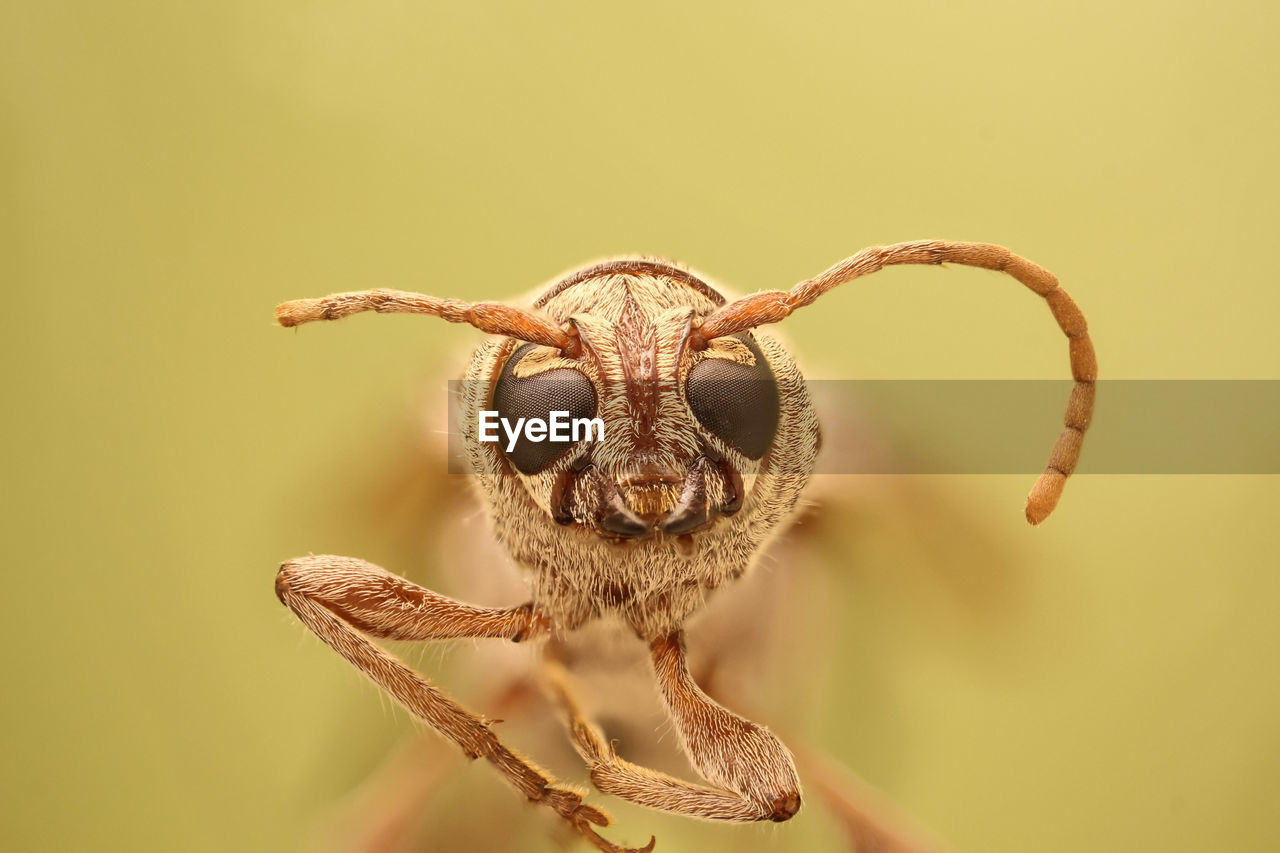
x: 709, y: 440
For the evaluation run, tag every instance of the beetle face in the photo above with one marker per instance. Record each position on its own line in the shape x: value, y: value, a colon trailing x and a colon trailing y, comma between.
x: 687, y: 433
x: 661, y: 461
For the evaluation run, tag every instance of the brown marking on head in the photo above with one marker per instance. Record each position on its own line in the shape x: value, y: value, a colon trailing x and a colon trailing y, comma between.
x: 637, y: 343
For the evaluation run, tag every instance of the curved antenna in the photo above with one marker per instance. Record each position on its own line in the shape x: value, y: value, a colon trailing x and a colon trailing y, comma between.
x: 491, y: 317
x: 772, y: 306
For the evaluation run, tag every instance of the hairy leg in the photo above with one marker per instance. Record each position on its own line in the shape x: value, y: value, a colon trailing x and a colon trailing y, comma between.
x: 346, y: 601
x: 754, y: 773
x: 382, y: 814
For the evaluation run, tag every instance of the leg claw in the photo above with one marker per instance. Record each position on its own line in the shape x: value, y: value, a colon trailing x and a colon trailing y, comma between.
x: 607, y: 846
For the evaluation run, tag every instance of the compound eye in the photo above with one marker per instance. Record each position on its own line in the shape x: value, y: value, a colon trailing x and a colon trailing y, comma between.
x: 536, y: 397
x: 736, y: 402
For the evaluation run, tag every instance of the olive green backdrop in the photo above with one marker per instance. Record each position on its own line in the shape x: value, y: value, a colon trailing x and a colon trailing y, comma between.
x: 168, y: 172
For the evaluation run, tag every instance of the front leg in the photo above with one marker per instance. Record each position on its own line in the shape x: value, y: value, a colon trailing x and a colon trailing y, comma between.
x: 728, y: 750
x: 345, y: 601
x: 754, y: 773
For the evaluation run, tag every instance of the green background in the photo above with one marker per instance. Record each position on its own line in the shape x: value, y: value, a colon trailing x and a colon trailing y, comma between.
x: 170, y: 171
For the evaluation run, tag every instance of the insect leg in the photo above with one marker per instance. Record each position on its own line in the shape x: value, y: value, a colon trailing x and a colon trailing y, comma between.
x: 753, y: 772
x: 383, y: 812
x: 346, y: 601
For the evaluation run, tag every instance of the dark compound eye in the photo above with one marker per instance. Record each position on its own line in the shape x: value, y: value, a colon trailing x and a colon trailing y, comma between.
x: 737, y: 402
x: 561, y: 390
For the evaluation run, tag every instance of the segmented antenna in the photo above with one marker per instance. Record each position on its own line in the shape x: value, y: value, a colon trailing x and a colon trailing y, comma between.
x: 771, y: 306
x: 492, y: 317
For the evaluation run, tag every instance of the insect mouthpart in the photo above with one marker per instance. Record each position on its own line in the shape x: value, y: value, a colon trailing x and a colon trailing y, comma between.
x: 651, y: 491
x: 651, y: 500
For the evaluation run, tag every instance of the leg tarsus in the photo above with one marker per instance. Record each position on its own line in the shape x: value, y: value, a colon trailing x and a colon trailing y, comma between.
x: 608, y: 846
